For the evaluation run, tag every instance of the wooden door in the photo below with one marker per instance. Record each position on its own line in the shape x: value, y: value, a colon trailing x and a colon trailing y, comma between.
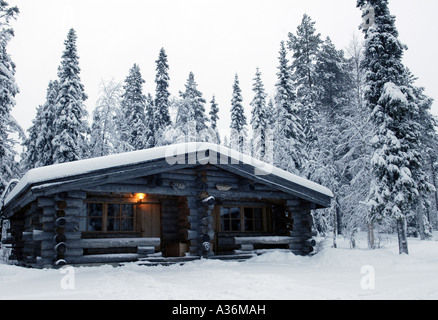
x: 149, y: 220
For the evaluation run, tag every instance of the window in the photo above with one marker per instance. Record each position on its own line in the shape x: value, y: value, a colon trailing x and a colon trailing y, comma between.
x: 230, y: 219
x: 243, y: 219
x: 107, y: 217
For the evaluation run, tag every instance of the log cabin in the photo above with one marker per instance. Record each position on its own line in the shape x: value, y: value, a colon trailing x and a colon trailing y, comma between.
x: 185, y: 201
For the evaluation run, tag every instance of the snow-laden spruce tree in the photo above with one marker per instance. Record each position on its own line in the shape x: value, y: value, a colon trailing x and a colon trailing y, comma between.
x: 305, y: 46
x: 133, y: 107
x: 39, y: 149
x: 289, y: 137
x: 214, y: 117
x: 238, y: 125
x: 259, y: 118
x: 71, y: 127
x: 8, y: 91
x: 419, y: 221
x: 429, y: 149
x: 191, y: 120
x: 161, y: 104
x: 151, y: 131
x: 193, y: 97
x: 333, y: 87
x: 396, y: 161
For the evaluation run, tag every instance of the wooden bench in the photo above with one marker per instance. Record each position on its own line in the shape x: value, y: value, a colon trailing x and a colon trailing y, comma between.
x: 144, y: 246
x: 246, y: 244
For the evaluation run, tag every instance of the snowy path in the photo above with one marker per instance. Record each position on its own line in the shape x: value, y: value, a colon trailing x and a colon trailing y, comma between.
x: 332, y: 274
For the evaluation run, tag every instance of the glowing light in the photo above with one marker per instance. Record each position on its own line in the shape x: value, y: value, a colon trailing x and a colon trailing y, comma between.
x: 140, y: 196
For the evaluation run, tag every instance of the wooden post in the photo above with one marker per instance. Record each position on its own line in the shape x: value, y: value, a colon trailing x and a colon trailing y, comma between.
x: 303, y: 243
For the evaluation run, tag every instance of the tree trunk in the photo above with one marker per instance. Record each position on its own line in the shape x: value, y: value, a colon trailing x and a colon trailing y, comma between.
x: 434, y: 221
x: 402, y: 236
x: 335, y: 228
x: 421, y: 221
x: 370, y: 235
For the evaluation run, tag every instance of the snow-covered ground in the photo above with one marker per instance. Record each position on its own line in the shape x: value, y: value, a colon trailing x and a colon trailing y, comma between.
x: 331, y: 274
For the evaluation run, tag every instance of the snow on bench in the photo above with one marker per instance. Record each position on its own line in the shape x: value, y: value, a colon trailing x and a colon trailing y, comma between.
x: 144, y: 246
x: 247, y: 243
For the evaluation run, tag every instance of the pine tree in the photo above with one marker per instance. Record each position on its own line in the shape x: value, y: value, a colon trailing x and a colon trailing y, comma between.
x: 332, y: 80
x: 305, y: 47
x: 289, y: 153
x: 161, y: 103
x: 259, y: 118
x: 150, y: 133
x: 191, y: 117
x: 133, y: 108
x: 271, y: 114
x: 333, y: 87
x: 31, y: 155
x: 39, y: 145
x: 70, y: 142
x: 420, y: 218
x: 396, y: 161
x: 214, y: 117
x: 8, y: 91
x: 238, y: 119
x: 196, y: 102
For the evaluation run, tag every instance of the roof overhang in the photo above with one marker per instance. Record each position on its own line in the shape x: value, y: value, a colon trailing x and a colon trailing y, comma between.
x: 75, y: 175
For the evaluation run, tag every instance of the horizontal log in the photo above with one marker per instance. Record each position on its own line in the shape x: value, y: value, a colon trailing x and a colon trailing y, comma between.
x: 115, y: 243
x: 145, y: 250
x: 126, y: 188
x: 49, y: 211
x: 27, y: 236
x: 74, y: 252
x: 46, y: 219
x: 77, y: 194
x: 74, y: 203
x: 46, y: 202
x: 246, y: 247
x: 39, y: 235
x: 178, y: 176
x: 294, y: 203
x: 239, y: 194
x: 60, y: 238
x: 263, y: 240
x: 104, y: 258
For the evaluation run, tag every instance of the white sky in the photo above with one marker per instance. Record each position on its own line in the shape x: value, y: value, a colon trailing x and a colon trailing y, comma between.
x: 215, y: 39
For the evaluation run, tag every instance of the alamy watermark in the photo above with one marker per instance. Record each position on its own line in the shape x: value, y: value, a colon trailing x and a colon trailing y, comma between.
x: 207, y: 153
x: 368, y: 281
x: 68, y: 282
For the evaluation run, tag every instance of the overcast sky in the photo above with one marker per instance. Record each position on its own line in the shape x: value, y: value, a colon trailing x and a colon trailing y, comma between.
x: 215, y: 39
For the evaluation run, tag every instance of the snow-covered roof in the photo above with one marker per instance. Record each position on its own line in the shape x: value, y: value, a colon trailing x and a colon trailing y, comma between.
x: 174, y: 154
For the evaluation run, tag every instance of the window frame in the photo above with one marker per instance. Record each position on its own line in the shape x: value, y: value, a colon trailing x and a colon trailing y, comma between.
x: 265, y: 211
x: 105, y: 216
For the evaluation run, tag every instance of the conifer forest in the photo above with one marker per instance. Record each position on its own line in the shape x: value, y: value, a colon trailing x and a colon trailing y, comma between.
x: 351, y: 119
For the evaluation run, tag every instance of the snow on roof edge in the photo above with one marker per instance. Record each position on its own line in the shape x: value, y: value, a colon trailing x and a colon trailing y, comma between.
x: 172, y: 153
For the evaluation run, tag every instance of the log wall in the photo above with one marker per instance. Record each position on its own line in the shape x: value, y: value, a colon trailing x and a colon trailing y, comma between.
x: 302, y: 223
x: 46, y: 232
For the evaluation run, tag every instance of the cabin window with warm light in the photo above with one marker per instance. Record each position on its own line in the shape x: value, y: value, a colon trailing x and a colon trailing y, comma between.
x: 107, y: 217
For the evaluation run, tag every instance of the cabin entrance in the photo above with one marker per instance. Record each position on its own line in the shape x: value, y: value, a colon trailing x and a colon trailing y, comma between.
x: 148, y: 222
